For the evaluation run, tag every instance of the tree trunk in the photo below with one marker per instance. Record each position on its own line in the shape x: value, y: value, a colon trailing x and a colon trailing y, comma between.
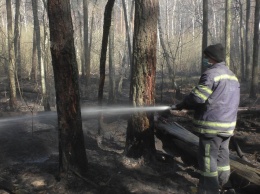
x: 214, y: 20
x: 167, y: 19
x: 4, y: 48
x: 122, y: 71
x: 248, y: 48
x: 25, y: 22
x: 242, y: 58
x: 17, y: 38
x: 39, y: 54
x: 88, y: 62
x: 106, y: 28
x: 254, y: 82
x: 11, y: 57
x: 228, y: 32
x: 128, y: 34
x: 45, y: 50
x: 86, y: 66
x: 112, y: 88
x: 71, y: 140
x: 204, y: 30
x: 34, y: 71
x: 140, y: 129
x: 80, y: 37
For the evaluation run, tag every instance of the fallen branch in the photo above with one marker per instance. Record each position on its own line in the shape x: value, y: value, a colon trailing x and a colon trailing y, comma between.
x: 189, y: 142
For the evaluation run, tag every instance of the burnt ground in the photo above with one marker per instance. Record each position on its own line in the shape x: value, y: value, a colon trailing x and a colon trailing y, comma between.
x: 29, y: 155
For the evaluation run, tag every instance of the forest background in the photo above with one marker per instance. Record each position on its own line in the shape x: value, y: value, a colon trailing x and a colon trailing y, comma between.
x: 181, y: 34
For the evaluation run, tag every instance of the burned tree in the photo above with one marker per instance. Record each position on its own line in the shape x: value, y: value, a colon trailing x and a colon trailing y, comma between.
x: 11, y: 57
x: 140, y: 130
x: 71, y: 141
x: 102, y: 65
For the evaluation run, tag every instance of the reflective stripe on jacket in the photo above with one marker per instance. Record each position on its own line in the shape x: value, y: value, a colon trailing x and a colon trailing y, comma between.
x: 215, y: 100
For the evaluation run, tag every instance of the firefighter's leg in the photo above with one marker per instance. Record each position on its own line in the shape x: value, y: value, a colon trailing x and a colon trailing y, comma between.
x: 223, y: 163
x: 207, y: 157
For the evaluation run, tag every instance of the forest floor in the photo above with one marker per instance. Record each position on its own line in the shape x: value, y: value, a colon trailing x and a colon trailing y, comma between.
x: 29, y: 154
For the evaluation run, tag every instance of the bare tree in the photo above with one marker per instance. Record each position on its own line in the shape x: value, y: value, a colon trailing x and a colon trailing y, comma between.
x: 127, y: 33
x: 205, y: 28
x: 34, y: 70
x: 88, y: 62
x: 247, y: 49
x: 140, y: 129
x: 255, y: 69
x: 165, y: 52
x: 39, y: 54
x: 102, y: 67
x: 11, y: 57
x: 242, y: 57
x: 122, y: 70
x: 17, y: 46
x: 112, y: 88
x: 80, y: 39
x: 228, y: 31
x: 86, y: 65
x: 72, y: 154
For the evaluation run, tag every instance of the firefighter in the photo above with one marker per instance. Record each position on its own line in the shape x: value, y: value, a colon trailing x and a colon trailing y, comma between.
x: 215, y: 100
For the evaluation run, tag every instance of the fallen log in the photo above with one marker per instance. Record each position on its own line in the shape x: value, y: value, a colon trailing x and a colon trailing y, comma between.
x: 188, y: 142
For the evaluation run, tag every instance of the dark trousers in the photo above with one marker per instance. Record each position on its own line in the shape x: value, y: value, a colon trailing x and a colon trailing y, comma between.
x: 213, y: 158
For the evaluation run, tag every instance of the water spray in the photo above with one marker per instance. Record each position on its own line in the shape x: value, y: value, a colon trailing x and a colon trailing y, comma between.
x: 87, y: 111
x: 121, y: 110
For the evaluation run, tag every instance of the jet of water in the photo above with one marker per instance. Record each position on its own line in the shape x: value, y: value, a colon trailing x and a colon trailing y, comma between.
x: 87, y: 111
x: 120, y: 110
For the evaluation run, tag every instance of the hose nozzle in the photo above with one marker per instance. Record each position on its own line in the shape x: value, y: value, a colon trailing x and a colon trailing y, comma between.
x: 173, y: 107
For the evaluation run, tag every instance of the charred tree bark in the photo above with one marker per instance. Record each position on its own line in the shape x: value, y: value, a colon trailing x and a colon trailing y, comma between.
x: 140, y: 130
x: 102, y: 67
x: 106, y: 28
x: 71, y: 141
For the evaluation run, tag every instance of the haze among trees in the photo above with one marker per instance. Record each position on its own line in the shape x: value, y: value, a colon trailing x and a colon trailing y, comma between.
x: 59, y: 46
